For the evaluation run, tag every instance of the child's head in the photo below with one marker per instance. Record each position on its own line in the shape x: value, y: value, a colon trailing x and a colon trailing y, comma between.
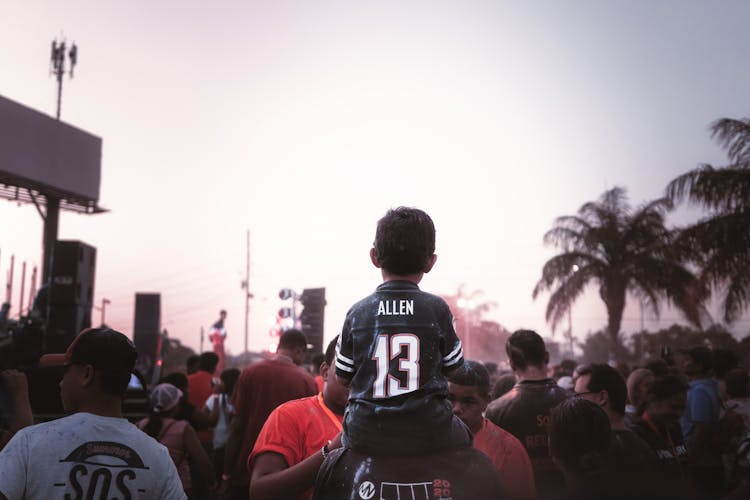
x: 404, y: 241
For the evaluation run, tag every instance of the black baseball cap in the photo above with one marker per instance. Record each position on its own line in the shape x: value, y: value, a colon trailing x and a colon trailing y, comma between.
x: 103, y: 348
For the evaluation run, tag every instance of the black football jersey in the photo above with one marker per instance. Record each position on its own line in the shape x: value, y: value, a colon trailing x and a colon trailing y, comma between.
x: 395, y: 346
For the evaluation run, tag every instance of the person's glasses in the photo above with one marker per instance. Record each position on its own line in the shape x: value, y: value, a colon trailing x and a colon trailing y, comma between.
x: 579, y: 394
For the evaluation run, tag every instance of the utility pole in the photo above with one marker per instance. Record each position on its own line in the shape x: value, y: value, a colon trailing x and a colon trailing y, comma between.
x: 9, y: 281
x: 104, y: 308
x: 246, y: 287
x: 23, y: 287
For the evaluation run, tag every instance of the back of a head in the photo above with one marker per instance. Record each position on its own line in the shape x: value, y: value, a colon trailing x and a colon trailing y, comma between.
x: 665, y: 387
x: 738, y: 385
x: 208, y: 361
x: 177, y: 379
x: 657, y: 366
x: 293, y: 339
x: 192, y: 363
x: 605, y: 378
x: 526, y: 348
x: 472, y: 373
x: 404, y: 241
x: 579, y: 435
x: 229, y: 379
x: 633, y: 381
x: 164, y: 398
x: 701, y: 356
x: 503, y: 385
x: 723, y: 361
x: 110, y: 352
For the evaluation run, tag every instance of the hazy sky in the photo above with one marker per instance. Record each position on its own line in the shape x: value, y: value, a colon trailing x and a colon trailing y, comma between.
x: 304, y: 121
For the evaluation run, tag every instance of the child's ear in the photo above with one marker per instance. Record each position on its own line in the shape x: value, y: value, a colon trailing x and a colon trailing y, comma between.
x: 374, y: 259
x: 430, y: 263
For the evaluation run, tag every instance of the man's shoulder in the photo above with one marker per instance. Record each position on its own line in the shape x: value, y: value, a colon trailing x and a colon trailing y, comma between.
x: 274, y: 367
x: 296, y: 408
x: 498, y: 435
x: 539, y: 394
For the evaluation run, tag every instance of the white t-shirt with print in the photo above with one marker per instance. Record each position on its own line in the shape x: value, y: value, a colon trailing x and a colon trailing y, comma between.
x: 87, y: 456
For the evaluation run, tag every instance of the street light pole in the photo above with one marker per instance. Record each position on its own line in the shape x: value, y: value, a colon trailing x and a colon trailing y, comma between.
x: 105, y: 302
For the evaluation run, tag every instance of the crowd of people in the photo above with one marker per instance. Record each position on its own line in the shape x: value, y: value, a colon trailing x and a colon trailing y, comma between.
x: 390, y: 408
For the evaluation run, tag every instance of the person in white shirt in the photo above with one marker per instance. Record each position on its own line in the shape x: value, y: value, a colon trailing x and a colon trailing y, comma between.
x: 220, y: 408
x: 94, y: 451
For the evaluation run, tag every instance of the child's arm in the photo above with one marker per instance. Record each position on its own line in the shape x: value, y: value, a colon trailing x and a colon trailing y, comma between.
x: 345, y: 366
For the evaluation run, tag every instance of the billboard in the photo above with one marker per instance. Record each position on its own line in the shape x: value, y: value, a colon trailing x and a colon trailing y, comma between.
x: 51, y: 157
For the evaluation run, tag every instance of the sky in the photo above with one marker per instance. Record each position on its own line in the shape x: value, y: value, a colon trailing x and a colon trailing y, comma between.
x: 304, y: 122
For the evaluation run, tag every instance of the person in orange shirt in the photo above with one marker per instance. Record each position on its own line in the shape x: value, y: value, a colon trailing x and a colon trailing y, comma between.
x: 296, y: 438
x: 469, y: 392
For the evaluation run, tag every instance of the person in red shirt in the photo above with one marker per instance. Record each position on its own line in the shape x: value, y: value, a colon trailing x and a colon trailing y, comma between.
x: 469, y: 392
x: 289, y: 448
x: 261, y: 388
x: 200, y: 388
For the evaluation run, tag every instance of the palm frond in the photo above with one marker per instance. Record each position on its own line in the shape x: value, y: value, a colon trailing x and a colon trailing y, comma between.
x: 722, y: 189
x: 734, y: 136
x: 737, y: 297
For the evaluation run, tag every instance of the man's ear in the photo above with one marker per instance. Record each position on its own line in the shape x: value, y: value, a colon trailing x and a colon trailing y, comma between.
x: 604, y: 398
x: 87, y: 377
x: 374, y: 259
x: 324, y: 371
x: 546, y: 357
x: 430, y: 263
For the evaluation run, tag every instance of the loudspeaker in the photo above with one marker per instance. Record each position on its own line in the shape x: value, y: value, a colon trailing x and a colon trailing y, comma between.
x: 73, y: 269
x: 63, y: 324
x: 147, y: 325
x: 313, y: 316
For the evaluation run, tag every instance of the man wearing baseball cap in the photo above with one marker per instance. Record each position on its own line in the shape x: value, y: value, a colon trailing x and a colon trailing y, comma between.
x: 94, y: 451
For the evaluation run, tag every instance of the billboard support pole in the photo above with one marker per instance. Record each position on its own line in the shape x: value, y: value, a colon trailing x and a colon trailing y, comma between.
x: 52, y: 218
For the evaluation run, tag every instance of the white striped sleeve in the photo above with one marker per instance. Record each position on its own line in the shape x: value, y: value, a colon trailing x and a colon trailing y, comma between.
x: 454, y: 357
x: 344, y: 364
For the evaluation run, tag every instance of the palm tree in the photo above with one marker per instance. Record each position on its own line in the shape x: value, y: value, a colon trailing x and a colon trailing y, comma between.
x: 720, y: 242
x: 623, y: 251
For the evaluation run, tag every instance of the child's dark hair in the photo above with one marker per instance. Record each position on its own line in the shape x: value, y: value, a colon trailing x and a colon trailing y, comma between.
x: 404, y: 241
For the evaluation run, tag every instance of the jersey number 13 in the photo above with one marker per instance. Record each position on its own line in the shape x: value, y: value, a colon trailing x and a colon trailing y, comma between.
x: 388, y: 347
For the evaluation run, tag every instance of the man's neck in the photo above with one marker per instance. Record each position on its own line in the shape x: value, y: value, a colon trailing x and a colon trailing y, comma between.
x: 103, y: 409
x: 531, y: 373
x: 336, y: 409
x: 616, y: 421
x: 284, y: 354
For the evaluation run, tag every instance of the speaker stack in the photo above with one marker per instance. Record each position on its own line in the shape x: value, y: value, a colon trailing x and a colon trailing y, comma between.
x: 71, y: 293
